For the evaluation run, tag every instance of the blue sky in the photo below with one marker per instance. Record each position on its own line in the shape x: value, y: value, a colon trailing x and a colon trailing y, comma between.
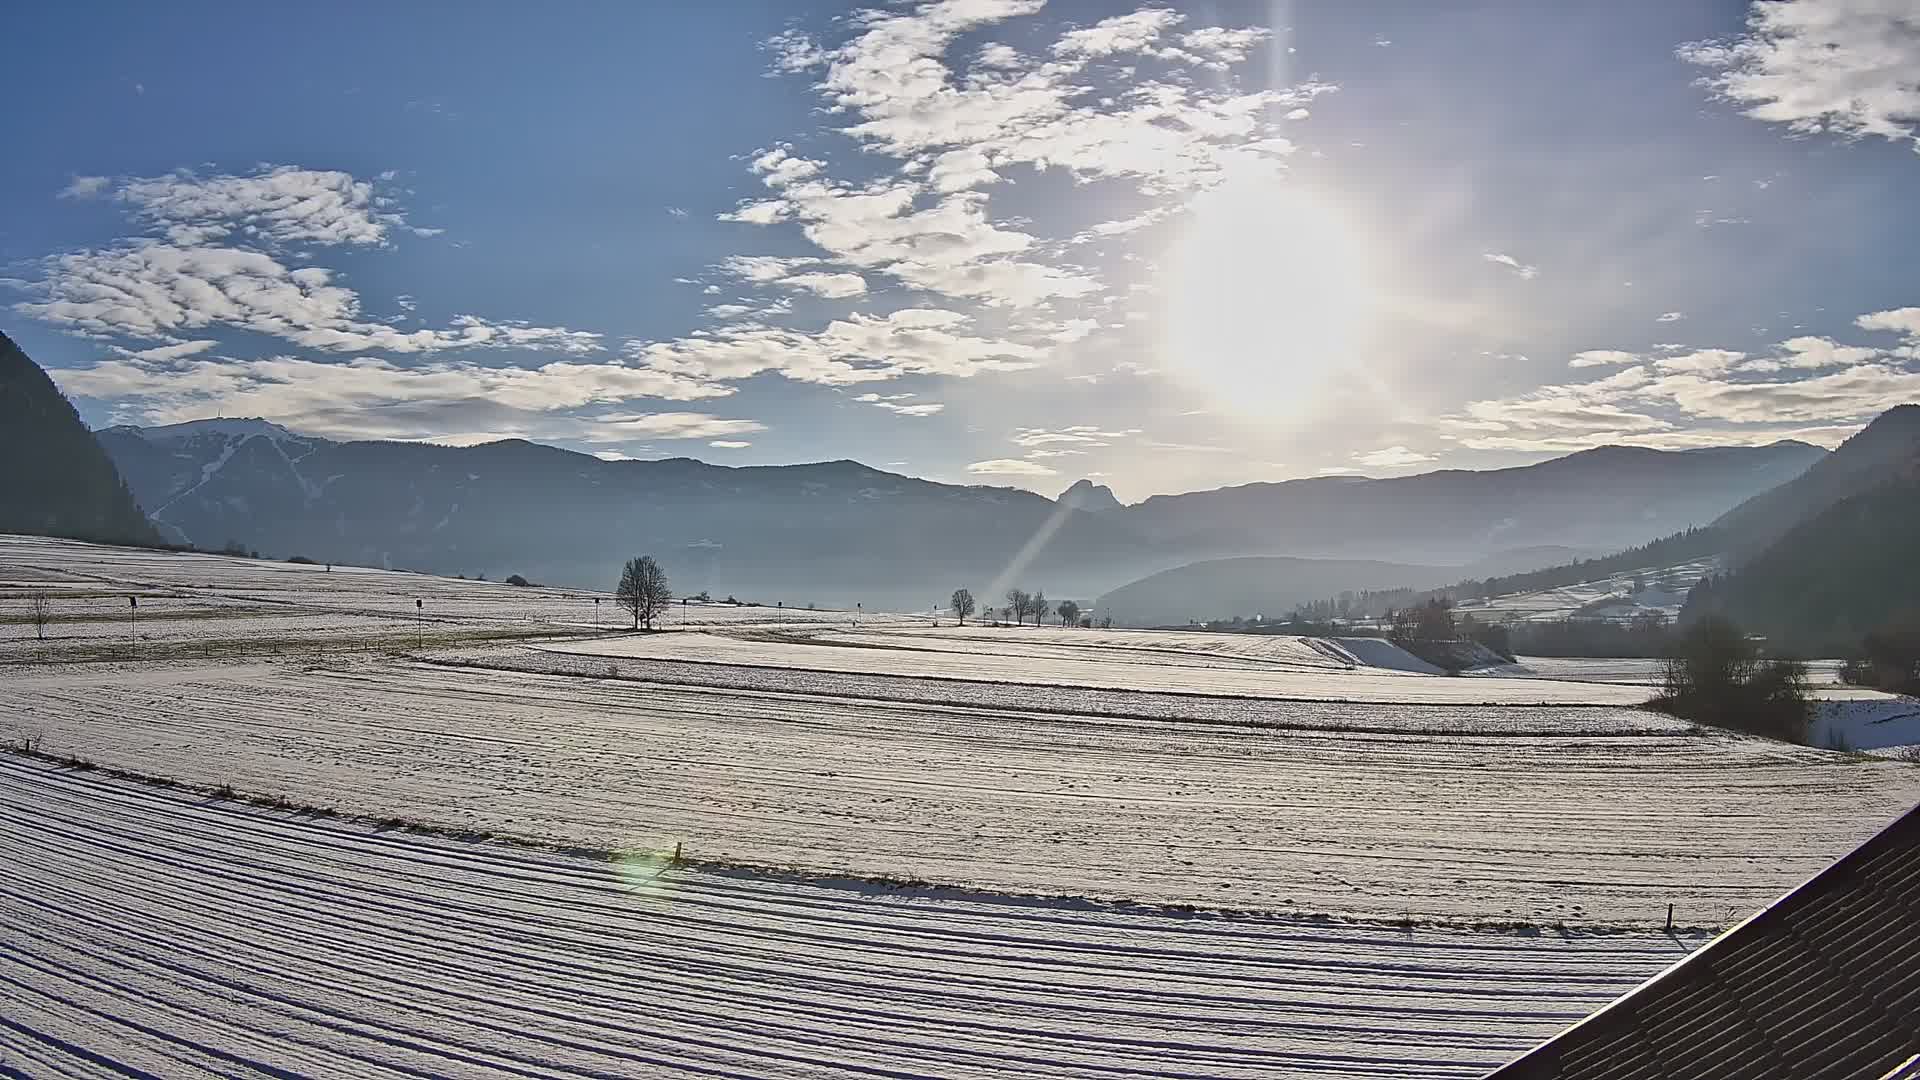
x: 992, y: 241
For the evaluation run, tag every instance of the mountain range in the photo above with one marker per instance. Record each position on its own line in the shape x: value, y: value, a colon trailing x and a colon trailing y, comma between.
x: 838, y: 532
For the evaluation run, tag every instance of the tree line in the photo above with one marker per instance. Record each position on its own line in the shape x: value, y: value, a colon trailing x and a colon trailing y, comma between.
x: 1021, y: 606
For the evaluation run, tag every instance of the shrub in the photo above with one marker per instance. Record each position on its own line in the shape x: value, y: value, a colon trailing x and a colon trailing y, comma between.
x: 1715, y: 676
x: 516, y: 579
x: 301, y: 559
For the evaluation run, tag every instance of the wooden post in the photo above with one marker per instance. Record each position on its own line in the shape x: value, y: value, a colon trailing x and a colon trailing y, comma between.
x: 1669, y: 918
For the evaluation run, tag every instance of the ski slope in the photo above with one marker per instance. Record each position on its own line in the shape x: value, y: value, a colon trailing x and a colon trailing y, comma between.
x: 144, y: 932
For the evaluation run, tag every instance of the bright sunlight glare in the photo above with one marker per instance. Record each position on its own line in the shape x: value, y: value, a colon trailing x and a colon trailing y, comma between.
x: 1269, y: 297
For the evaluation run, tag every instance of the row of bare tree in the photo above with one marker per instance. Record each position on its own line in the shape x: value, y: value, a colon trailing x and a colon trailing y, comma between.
x: 1021, y: 605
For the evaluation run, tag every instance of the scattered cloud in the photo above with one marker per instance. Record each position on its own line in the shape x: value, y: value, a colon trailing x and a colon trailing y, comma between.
x: 831, y: 286
x: 1513, y: 264
x: 1670, y: 316
x: 1603, y: 358
x: 1840, y: 66
x: 729, y: 444
x: 954, y: 132
x: 903, y: 404
x: 1807, y: 387
x: 275, y: 206
x: 1076, y: 435
x: 676, y: 211
x: 156, y: 290
x: 1701, y: 360
x: 84, y: 187
x: 858, y: 349
x: 1904, y: 320
x: 369, y: 397
x: 1010, y: 467
x: 664, y: 425
x: 1392, y: 457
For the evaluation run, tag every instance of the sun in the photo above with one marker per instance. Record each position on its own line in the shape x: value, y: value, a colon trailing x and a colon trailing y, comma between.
x: 1269, y: 297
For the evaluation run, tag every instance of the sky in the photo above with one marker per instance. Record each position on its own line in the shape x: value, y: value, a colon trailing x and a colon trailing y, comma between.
x: 980, y: 241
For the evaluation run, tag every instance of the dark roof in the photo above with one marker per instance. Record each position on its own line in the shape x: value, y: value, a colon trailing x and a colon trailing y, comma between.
x: 1824, y: 983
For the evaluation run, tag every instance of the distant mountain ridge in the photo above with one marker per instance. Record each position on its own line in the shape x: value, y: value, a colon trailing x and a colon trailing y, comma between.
x: 1606, y: 498
x: 838, y: 532
x: 1887, y: 447
x: 1819, y: 561
x: 1087, y: 495
x: 54, y: 478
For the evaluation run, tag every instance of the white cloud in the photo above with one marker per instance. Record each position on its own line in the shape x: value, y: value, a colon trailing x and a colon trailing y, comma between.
x: 1076, y: 435
x: 1670, y: 316
x: 161, y: 354
x: 902, y: 404
x: 1513, y: 264
x: 831, y: 286
x: 1602, y: 358
x: 1904, y: 320
x: 676, y: 211
x: 274, y: 206
x: 1701, y: 360
x: 1810, y: 352
x: 1392, y: 457
x: 763, y: 268
x: 953, y: 133
x: 857, y: 349
x: 1840, y: 66
x: 664, y: 425
x: 1700, y: 397
x: 998, y: 56
x: 371, y: 397
x: 155, y: 290
x: 1858, y: 392
x: 1220, y: 47
x: 1010, y: 467
x: 1120, y: 34
x: 729, y: 444
x: 84, y: 187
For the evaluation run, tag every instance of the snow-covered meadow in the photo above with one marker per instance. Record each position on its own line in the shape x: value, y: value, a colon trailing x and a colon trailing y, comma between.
x: 167, y: 935
x: 1122, y: 853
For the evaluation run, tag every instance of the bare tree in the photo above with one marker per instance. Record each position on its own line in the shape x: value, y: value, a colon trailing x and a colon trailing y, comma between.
x: 1069, y: 613
x: 41, y: 611
x: 1017, y: 603
x: 1037, y: 605
x: 643, y: 590
x: 963, y: 604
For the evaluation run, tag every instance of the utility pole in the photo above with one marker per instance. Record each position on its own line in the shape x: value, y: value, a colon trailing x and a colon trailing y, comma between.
x: 420, y: 612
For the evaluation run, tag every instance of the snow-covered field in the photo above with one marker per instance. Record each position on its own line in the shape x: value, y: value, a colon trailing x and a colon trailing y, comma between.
x: 1040, y: 656
x: 149, y: 933
x: 1662, y: 590
x: 1459, y: 813
x: 185, y: 601
x: 1068, y: 794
